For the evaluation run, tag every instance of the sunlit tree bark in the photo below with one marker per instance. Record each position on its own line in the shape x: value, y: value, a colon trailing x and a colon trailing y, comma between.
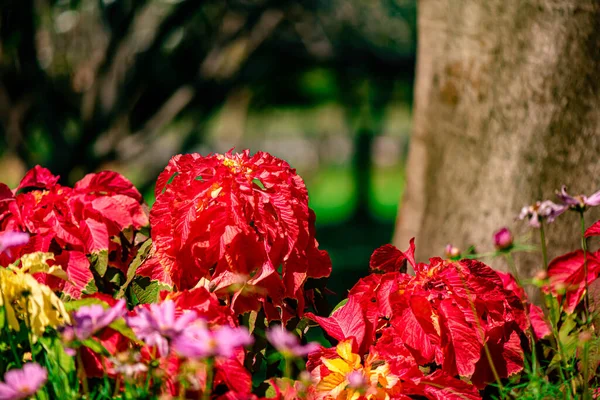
x: 507, y: 109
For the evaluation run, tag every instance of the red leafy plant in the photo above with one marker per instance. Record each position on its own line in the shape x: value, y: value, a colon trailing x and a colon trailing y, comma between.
x: 452, y: 319
x: 94, y: 221
x: 239, y: 225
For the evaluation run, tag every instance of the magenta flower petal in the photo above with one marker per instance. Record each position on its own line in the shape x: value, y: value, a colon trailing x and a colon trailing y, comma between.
x: 10, y: 239
x: 503, y: 239
x: 157, y: 324
x: 593, y: 200
x: 90, y: 319
x: 23, y: 383
x: 287, y: 343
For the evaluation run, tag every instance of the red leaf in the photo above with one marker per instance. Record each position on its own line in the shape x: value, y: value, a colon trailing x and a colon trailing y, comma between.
x: 441, y: 386
x: 568, y: 270
x: 233, y: 374
x: 593, y: 230
x: 157, y: 270
x: 77, y: 266
x: 388, y: 258
x: 347, y: 322
x: 38, y: 177
x: 504, y: 345
x: 538, y: 322
x: 123, y: 211
x: 415, y: 328
x: 94, y: 235
x: 461, y: 342
x: 107, y: 183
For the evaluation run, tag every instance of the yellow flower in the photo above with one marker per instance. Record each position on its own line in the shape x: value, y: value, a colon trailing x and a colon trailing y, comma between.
x: 379, y: 381
x: 27, y: 300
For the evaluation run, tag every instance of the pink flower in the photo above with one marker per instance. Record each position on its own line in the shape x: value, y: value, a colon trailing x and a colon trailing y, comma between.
x: 199, y: 341
x: 288, y: 344
x: 90, y: 319
x: 10, y: 239
x: 451, y: 251
x: 503, y: 239
x: 22, y: 383
x: 156, y: 325
x: 579, y: 202
x: 357, y: 380
x: 541, y: 210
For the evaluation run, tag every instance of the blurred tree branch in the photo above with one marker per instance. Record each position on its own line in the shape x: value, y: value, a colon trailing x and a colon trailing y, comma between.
x: 90, y: 82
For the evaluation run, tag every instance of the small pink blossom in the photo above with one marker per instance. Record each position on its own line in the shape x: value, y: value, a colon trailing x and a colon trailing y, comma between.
x: 451, y: 251
x: 90, y: 319
x: 288, y: 344
x: 541, y: 210
x: 199, y: 341
x: 357, y: 380
x: 10, y: 239
x: 503, y: 239
x: 157, y: 324
x: 23, y: 383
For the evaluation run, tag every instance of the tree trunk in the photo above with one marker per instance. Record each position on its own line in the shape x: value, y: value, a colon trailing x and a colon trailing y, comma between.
x: 507, y: 109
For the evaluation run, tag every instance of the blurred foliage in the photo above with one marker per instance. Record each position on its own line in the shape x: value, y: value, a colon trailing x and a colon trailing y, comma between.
x: 125, y: 84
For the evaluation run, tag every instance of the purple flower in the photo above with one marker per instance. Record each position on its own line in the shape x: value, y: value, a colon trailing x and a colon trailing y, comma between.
x: 357, y: 380
x: 199, y: 341
x: 503, y: 239
x: 288, y: 344
x: 157, y: 325
x: 22, y: 383
x: 580, y: 202
x: 10, y: 239
x: 90, y: 319
x: 541, y: 210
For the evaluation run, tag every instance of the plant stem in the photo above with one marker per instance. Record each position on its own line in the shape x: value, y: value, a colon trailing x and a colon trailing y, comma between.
x: 513, y: 269
x: 83, y: 375
x: 586, y: 346
x: 209, y: 378
x: 543, y: 244
x: 553, y: 317
x: 488, y: 354
x: 585, y: 270
x: 287, y: 373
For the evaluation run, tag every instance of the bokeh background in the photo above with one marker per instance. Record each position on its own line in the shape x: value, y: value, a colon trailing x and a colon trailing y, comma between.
x: 327, y: 85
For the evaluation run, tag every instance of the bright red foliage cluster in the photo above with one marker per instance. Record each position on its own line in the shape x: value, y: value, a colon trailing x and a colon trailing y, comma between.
x: 240, y: 224
x: 567, y: 277
x: 73, y: 222
x: 442, y: 317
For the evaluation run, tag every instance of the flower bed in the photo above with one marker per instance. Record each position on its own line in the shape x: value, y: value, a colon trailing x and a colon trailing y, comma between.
x: 213, y: 293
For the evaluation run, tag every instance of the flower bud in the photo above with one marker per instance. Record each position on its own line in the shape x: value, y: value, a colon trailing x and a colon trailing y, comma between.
x: 503, y: 239
x: 452, y: 252
x: 585, y: 336
x: 541, y: 275
x: 560, y: 288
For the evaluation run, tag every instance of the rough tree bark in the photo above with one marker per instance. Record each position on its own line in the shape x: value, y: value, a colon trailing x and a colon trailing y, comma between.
x: 507, y: 109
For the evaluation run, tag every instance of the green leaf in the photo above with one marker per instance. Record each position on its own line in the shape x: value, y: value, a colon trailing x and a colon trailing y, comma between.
x: 99, y: 262
x: 146, y: 291
x: 137, y: 261
x: 339, y: 305
x: 121, y: 326
x: 77, y: 304
x: 95, y: 346
x: 114, y: 276
x: 56, y: 352
x: 258, y: 183
x: 90, y: 288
